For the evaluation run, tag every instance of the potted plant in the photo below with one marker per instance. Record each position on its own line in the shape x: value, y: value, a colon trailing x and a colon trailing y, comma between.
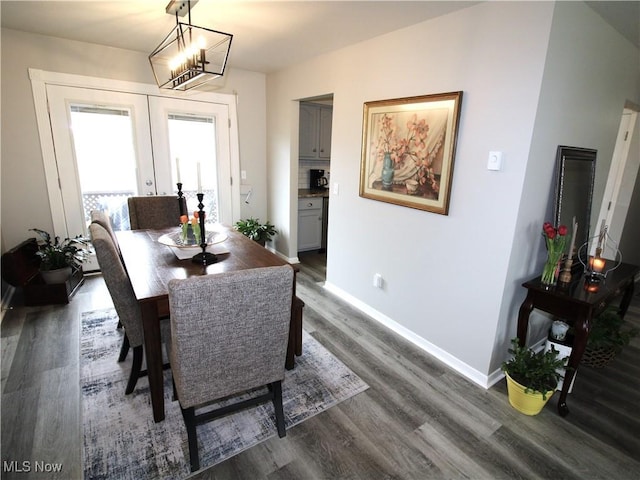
x: 532, y: 377
x: 606, y: 338
x: 256, y: 231
x: 59, y: 259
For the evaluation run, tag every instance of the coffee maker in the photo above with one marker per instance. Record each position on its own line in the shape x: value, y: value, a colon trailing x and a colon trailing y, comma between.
x: 317, y: 180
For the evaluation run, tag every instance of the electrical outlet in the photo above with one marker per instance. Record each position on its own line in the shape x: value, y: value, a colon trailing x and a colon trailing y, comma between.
x: 495, y: 161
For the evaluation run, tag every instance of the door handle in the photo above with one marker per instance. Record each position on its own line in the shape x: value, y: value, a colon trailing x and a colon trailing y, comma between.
x: 148, y: 183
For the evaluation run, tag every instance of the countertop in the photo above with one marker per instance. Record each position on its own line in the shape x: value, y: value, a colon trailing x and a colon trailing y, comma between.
x: 308, y: 193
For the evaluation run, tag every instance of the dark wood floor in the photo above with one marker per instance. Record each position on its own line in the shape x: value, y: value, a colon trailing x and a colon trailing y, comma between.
x: 418, y: 420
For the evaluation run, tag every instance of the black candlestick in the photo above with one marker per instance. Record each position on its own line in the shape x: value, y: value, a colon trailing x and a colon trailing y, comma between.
x: 180, y: 199
x: 204, y: 257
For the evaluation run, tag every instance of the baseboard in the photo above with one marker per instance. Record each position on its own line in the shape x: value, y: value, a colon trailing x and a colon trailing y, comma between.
x: 285, y: 258
x: 484, y: 381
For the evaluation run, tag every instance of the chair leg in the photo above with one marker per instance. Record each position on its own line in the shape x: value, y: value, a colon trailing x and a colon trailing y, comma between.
x: 277, y: 405
x: 124, y: 350
x: 135, y: 369
x: 189, y: 416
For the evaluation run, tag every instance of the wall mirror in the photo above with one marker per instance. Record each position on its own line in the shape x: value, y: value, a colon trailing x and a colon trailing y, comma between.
x: 575, y: 175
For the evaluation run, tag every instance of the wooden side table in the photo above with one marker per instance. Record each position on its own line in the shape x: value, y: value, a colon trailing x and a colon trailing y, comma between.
x: 578, y: 307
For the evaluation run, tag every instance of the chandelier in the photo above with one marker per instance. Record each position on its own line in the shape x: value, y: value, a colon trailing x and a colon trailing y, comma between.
x: 189, y: 55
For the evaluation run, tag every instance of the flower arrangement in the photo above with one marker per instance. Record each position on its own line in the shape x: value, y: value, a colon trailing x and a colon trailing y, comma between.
x: 555, y: 241
x: 411, y: 147
x: 56, y: 254
x: 190, y: 228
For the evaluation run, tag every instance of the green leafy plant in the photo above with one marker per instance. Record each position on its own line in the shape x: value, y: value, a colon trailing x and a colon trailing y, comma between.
x: 607, y: 331
x: 536, y: 371
x: 71, y: 252
x: 259, y: 232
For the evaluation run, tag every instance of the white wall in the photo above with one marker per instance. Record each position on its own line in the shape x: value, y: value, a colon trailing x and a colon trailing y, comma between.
x: 534, y: 75
x: 589, y: 74
x: 25, y: 202
x: 444, y: 274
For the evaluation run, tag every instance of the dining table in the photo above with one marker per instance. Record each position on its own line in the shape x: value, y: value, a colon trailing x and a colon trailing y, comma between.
x: 152, y: 262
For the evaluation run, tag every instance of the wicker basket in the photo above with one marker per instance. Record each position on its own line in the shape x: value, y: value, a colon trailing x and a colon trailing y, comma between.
x: 599, y: 357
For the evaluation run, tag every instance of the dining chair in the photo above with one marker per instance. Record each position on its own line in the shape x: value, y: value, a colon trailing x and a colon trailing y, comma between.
x: 123, y: 298
x: 229, y: 335
x: 101, y: 217
x: 155, y: 211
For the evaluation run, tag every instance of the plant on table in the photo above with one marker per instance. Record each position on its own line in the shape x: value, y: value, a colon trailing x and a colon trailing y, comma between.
x: 255, y: 230
x: 555, y: 240
x: 56, y: 254
x: 190, y: 224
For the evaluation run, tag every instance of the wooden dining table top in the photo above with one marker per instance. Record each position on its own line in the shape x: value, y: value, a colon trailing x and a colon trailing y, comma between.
x: 151, y: 264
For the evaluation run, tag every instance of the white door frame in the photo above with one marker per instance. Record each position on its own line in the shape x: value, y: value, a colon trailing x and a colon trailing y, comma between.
x: 160, y: 108
x: 41, y: 78
x: 622, y: 175
x: 60, y: 99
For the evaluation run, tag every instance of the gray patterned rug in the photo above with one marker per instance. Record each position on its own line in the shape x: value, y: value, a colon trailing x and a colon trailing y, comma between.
x: 122, y: 441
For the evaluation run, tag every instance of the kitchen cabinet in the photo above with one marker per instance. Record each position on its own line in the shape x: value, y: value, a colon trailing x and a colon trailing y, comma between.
x: 309, y: 223
x: 315, y: 131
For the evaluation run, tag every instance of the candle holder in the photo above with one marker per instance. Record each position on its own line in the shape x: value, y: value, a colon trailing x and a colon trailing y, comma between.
x: 597, y: 267
x: 565, y: 275
x: 181, y: 201
x: 204, y: 257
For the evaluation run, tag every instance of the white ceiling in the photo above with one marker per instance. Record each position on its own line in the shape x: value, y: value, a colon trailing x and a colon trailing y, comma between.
x: 267, y: 35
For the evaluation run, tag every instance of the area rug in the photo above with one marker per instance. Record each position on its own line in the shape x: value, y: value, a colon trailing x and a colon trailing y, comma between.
x: 122, y: 441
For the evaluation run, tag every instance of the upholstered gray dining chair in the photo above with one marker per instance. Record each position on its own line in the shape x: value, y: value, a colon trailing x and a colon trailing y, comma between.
x: 155, y: 211
x: 229, y: 334
x: 102, y: 218
x: 124, y: 300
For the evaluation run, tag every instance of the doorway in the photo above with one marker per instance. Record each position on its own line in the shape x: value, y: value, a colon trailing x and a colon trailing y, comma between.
x: 620, y: 181
x: 314, y: 181
x: 65, y: 199
x: 111, y: 145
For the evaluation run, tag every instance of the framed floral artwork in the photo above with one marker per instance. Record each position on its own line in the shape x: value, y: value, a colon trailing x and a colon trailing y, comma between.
x: 408, y: 148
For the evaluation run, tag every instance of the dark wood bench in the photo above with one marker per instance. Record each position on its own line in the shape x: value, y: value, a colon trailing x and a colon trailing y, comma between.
x: 20, y: 269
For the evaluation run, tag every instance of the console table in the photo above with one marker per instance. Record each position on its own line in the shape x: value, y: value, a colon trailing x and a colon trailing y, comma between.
x: 578, y: 307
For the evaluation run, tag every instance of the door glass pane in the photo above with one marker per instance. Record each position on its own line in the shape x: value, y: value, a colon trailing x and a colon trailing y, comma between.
x: 105, y: 156
x: 192, y: 141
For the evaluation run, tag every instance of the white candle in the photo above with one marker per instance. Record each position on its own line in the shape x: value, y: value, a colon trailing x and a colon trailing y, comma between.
x: 178, y: 170
x: 573, y: 237
x: 598, y: 264
x: 199, y: 179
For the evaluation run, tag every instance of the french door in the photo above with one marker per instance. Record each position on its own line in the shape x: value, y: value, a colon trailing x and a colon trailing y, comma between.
x: 111, y: 145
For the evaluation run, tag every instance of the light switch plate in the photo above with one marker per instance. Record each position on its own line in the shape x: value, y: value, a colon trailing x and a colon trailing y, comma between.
x: 495, y: 161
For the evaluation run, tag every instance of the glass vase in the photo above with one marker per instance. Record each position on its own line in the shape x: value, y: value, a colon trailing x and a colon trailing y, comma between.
x: 550, y: 271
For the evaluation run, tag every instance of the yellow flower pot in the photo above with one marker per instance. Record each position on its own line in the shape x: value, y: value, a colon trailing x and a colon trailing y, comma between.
x: 527, y: 403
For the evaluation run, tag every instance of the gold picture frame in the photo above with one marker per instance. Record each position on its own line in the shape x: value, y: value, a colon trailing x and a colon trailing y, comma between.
x: 408, y: 150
